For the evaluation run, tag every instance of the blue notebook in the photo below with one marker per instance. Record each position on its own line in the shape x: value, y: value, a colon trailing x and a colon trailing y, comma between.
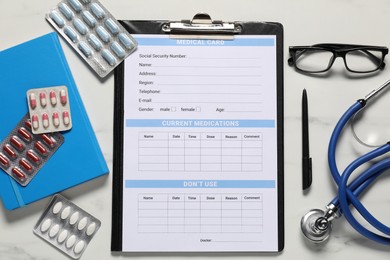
x: 36, y: 64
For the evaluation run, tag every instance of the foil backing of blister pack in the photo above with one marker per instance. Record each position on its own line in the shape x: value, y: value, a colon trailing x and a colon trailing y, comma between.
x: 66, y: 226
x: 93, y: 32
x: 23, y: 153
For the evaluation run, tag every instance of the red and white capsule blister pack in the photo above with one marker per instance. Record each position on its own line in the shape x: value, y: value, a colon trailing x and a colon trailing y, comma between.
x: 23, y: 153
x: 49, y: 109
x: 66, y: 226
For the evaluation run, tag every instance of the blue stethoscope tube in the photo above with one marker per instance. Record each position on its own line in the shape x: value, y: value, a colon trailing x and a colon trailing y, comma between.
x: 348, y: 193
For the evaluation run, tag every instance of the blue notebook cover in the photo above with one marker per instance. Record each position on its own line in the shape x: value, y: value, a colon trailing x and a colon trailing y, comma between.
x: 36, y: 64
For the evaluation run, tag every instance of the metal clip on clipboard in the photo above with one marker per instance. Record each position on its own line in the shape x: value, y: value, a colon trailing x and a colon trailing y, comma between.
x: 201, y: 27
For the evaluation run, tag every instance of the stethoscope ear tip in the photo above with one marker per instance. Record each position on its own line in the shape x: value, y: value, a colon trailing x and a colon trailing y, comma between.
x: 315, y: 227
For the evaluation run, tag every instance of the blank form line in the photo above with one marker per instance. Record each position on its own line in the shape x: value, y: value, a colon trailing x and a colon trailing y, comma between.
x: 223, y: 58
x: 202, y: 75
x: 221, y: 67
x: 200, y: 102
x: 212, y: 84
x: 241, y: 241
x: 244, y: 111
x: 206, y: 93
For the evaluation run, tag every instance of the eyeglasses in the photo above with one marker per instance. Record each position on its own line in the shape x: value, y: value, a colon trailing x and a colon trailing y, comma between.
x: 320, y: 57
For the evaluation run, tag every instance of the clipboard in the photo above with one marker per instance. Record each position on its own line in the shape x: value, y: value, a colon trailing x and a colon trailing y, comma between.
x: 200, y: 27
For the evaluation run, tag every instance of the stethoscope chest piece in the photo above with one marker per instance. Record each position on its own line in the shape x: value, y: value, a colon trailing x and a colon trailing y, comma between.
x: 315, y: 226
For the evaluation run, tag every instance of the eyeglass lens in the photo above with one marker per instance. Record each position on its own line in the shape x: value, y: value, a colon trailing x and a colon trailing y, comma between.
x: 321, y: 60
x: 363, y: 60
x: 313, y: 60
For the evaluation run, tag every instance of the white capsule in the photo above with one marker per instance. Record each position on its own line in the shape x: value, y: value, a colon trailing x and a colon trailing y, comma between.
x: 62, y: 236
x: 91, y: 229
x: 70, y: 242
x: 54, y: 230
x: 74, y: 218
x: 79, y: 247
x: 45, y: 225
x: 65, y: 213
x: 57, y: 207
x: 82, y: 223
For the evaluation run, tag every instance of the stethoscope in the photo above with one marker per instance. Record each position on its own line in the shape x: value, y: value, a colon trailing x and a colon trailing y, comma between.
x: 316, y: 225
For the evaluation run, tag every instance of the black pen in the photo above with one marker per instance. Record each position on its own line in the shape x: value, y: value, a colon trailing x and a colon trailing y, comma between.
x: 306, y: 160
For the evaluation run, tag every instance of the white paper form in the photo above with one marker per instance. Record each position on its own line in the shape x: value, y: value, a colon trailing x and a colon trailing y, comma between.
x: 200, y: 145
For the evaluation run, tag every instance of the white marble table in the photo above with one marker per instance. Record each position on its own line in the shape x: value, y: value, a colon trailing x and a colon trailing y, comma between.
x: 305, y: 22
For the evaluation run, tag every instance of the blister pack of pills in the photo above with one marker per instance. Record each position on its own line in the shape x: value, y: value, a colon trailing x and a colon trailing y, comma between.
x: 93, y: 32
x: 49, y: 109
x: 66, y: 226
x: 23, y: 153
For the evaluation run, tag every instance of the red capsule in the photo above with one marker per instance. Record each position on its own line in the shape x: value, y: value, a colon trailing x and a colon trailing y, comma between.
x: 28, y: 124
x: 39, y: 146
x: 33, y: 101
x: 45, y: 120
x: 48, y: 140
x: 56, y: 119
x: 63, y: 97
x: 25, y: 165
x: 11, y: 152
x: 42, y: 98
x: 53, y: 98
x: 66, y: 118
x: 33, y: 157
x: 3, y: 160
x: 24, y: 134
x: 18, y: 173
x: 35, y: 121
x: 17, y: 143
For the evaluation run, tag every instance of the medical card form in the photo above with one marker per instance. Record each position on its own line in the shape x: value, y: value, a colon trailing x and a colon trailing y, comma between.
x: 200, y: 145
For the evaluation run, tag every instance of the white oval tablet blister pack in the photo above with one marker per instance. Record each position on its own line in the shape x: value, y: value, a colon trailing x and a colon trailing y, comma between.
x: 66, y: 226
x: 49, y: 109
x: 93, y: 32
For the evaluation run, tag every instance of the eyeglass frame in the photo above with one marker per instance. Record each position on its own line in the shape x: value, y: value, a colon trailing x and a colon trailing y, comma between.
x: 338, y: 50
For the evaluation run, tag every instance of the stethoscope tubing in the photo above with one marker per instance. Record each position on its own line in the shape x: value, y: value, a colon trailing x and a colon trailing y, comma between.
x: 348, y: 194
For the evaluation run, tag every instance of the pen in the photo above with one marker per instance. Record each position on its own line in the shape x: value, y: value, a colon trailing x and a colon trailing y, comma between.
x: 306, y: 160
